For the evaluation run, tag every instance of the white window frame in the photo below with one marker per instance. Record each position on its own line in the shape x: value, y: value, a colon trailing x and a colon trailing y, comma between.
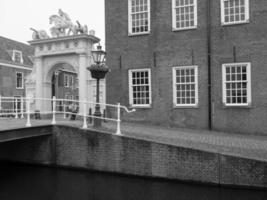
x: 130, y: 72
x: 249, y: 98
x: 130, y: 33
x: 246, y: 20
x: 13, y: 56
x: 174, y: 28
x: 22, y: 81
x: 195, y: 67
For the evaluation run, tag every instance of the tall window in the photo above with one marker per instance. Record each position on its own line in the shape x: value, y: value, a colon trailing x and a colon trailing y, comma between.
x: 236, y: 84
x: 140, y: 87
x: 139, y: 16
x: 76, y: 84
x: 66, y: 80
x: 234, y: 11
x: 185, y: 86
x: 71, y: 81
x: 19, y: 80
x: 184, y: 14
x: 17, y: 56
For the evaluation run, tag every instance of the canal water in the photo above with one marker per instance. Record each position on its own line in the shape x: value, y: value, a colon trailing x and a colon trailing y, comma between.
x: 24, y: 182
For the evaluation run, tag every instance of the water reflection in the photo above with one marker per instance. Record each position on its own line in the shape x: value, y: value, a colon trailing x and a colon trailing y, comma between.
x: 40, y: 183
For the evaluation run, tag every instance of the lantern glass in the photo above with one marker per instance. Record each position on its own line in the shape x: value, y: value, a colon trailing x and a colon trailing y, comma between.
x: 99, y: 55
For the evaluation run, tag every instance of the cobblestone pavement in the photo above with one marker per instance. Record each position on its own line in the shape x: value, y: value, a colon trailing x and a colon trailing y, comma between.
x: 247, y: 146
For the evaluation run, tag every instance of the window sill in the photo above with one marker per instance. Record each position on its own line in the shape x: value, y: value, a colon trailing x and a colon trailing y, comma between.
x: 138, y: 34
x: 234, y: 23
x: 237, y: 106
x: 185, y: 106
x: 19, y: 88
x: 184, y: 29
x: 141, y: 106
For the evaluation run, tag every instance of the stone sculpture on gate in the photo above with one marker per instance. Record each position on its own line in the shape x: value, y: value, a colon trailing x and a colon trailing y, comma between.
x: 39, y: 34
x: 62, y: 26
x: 62, y: 23
x: 76, y: 29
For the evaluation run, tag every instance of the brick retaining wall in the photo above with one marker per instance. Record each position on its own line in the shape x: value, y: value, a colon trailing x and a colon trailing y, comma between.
x: 73, y: 147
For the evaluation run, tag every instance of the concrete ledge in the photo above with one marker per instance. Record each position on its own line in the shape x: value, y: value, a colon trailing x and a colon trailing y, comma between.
x: 96, y: 150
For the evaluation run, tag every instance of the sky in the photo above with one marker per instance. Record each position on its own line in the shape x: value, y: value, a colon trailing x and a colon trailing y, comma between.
x: 18, y: 16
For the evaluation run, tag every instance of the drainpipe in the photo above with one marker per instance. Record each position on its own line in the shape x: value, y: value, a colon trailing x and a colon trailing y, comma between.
x: 209, y: 63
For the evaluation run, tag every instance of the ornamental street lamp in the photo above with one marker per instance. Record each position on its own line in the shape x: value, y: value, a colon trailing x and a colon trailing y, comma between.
x: 98, y: 71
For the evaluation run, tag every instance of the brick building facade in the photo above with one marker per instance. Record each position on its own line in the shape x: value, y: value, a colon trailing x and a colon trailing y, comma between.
x: 189, y: 63
x: 15, y: 64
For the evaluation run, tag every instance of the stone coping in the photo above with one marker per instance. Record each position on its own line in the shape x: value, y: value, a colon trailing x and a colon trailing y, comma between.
x: 65, y: 38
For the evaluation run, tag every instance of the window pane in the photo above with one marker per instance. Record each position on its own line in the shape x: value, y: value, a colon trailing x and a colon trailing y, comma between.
x: 140, y: 87
x: 17, y: 57
x: 185, y: 85
x: 234, y: 11
x: 236, y: 84
x: 184, y: 13
x: 139, y: 16
x: 19, y: 83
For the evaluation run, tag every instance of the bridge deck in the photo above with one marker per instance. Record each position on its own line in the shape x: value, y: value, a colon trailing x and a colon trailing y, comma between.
x: 247, y: 146
x: 10, y: 128
x: 17, y: 134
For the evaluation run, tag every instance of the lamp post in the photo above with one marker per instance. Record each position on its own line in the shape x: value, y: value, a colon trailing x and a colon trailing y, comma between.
x: 98, y: 71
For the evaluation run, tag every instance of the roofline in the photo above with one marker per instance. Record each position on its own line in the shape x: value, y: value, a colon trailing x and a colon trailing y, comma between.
x: 23, y: 43
x: 71, y: 37
x: 14, y: 66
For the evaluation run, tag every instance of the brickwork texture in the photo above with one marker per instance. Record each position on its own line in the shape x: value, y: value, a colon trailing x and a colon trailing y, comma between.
x: 77, y: 148
x: 163, y: 49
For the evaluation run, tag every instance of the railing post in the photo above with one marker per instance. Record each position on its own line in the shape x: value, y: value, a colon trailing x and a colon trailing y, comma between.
x: 16, y: 108
x: 64, y: 110
x: 118, y: 132
x: 54, y: 111
x: 28, y: 101
x: 84, y: 115
x: 21, y: 108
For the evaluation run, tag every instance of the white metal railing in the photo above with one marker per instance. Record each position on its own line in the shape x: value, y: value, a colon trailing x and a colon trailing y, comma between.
x: 18, y: 107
